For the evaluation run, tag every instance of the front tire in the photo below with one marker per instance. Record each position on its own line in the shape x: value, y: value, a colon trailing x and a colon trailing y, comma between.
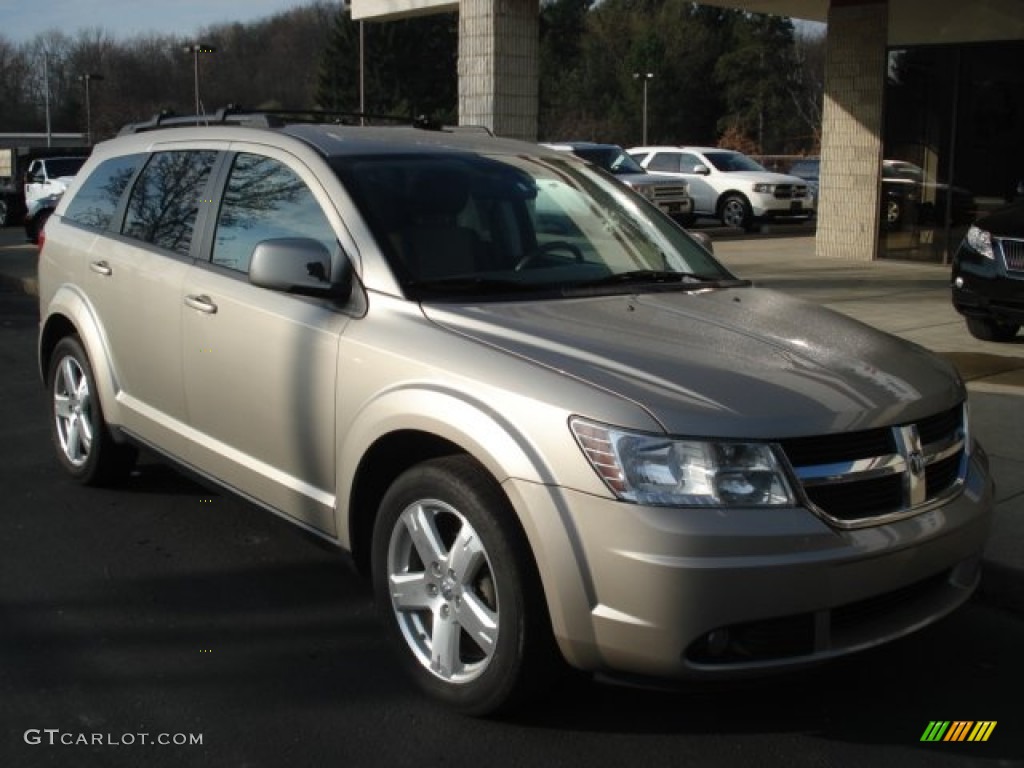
x: 457, y: 589
x: 84, y: 445
x: 734, y: 211
x: 991, y: 330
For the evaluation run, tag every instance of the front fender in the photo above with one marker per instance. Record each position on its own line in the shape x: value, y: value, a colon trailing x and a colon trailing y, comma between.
x: 480, y: 430
x: 524, y: 468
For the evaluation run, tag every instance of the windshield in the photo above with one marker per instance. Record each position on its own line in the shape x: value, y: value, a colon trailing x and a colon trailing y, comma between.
x: 612, y: 159
x: 464, y: 226
x: 730, y: 162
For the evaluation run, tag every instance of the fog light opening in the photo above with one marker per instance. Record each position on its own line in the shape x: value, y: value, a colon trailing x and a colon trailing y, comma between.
x: 717, y: 642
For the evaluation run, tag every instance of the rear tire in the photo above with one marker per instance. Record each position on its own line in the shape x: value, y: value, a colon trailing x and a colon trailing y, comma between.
x: 457, y: 589
x: 991, y: 330
x: 893, y: 214
x: 84, y: 444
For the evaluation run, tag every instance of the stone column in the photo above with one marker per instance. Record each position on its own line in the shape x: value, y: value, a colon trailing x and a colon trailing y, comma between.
x: 499, y: 47
x: 851, y: 146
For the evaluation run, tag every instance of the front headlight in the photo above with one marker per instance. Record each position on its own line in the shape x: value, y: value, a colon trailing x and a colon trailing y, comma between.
x: 652, y: 469
x: 764, y: 189
x: 646, y: 190
x: 981, y: 241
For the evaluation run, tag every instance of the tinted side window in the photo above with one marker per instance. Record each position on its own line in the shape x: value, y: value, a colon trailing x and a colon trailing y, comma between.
x: 688, y: 162
x: 664, y: 161
x: 265, y: 199
x: 98, y: 198
x: 165, y: 202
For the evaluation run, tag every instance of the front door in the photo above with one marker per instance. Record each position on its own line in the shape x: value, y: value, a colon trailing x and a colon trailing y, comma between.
x: 260, y: 365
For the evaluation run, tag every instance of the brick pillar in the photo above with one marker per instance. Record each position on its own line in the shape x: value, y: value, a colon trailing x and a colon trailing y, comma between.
x: 499, y: 44
x: 851, y: 146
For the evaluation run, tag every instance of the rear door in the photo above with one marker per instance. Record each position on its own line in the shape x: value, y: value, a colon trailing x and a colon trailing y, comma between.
x: 134, y: 276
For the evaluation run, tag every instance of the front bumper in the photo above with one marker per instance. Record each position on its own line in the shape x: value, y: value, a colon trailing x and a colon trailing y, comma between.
x: 982, y: 287
x: 683, y: 593
x: 766, y: 206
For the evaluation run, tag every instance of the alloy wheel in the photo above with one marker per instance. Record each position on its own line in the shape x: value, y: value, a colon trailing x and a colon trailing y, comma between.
x: 443, y: 591
x: 72, y: 408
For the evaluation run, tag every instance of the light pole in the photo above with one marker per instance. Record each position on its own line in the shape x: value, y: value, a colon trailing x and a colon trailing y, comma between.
x: 347, y: 6
x: 362, y: 74
x: 87, y: 78
x: 646, y: 77
x: 195, y: 49
x: 46, y: 95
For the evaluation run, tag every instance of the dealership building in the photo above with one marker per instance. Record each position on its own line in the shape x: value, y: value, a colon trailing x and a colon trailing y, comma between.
x: 935, y: 84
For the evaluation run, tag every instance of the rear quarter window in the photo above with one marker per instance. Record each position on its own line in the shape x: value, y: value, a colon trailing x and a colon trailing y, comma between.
x: 97, y: 200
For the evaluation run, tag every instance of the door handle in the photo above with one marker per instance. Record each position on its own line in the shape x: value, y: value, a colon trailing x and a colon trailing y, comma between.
x: 101, y: 268
x: 203, y: 303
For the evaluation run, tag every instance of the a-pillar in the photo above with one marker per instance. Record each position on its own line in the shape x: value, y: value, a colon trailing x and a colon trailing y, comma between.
x: 498, y: 53
x: 851, y: 147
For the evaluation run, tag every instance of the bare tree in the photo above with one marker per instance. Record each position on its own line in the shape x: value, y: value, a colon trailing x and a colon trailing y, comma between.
x: 807, y: 80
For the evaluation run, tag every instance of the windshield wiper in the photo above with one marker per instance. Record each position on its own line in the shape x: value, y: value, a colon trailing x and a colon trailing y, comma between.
x: 655, y: 278
x: 471, y: 285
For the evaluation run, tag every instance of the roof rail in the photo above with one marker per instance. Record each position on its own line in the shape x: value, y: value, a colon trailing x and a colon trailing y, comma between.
x: 275, y: 118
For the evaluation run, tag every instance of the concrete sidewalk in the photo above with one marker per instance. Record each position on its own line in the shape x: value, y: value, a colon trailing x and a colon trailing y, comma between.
x: 907, y: 299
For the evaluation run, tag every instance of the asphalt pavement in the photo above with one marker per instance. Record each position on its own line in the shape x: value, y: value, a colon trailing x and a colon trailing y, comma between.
x: 908, y: 299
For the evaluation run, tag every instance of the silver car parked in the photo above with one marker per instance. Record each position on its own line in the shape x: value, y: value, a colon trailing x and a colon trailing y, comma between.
x: 545, y: 421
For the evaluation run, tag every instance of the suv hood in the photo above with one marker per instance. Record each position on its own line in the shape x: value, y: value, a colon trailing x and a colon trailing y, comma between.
x: 727, y: 363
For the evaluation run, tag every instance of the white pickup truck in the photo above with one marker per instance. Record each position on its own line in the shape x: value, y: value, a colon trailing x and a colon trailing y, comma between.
x: 46, y: 180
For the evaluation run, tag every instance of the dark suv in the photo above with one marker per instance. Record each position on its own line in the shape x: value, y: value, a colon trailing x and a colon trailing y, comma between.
x: 988, y: 275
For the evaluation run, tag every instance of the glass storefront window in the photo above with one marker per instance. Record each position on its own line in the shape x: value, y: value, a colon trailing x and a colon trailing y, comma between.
x: 954, y: 117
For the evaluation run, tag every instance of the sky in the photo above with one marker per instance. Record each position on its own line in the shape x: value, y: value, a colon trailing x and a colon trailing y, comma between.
x: 21, y: 20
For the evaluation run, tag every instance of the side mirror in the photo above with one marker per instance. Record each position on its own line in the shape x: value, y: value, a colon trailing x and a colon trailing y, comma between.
x: 701, y: 170
x: 297, y: 265
x: 704, y: 239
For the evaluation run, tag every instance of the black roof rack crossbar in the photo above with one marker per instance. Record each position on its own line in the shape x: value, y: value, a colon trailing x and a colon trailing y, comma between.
x: 275, y: 118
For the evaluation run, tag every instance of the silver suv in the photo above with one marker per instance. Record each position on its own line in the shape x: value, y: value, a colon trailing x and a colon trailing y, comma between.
x: 545, y: 421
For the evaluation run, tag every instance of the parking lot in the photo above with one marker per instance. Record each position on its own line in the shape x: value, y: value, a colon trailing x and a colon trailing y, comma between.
x: 164, y: 608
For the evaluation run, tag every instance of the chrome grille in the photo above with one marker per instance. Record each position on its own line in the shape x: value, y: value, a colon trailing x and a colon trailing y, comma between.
x: 665, y: 192
x: 864, y: 478
x: 1013, y: 253
x: 790, y: 192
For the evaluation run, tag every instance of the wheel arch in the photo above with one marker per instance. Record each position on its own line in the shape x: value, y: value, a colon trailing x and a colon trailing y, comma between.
x: 70, y: 314
x: 387, y: 458
x: 726, y: 194
x: 433, y: 423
